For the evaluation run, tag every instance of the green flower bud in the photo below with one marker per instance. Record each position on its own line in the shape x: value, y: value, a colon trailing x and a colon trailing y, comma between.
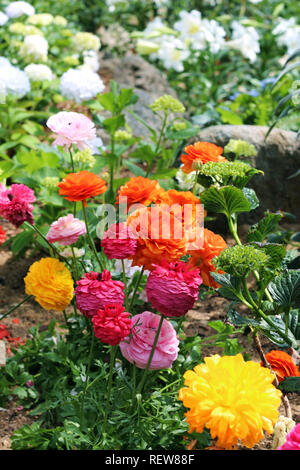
x: 167, y: 103
x: 240, y: 147
x: 50, y: 182
x: 122, y: 135
x: 144, y: 47
x: 220, y: 170
x: 179, y: 125
x: 85, y: 156
x: 240, y: 260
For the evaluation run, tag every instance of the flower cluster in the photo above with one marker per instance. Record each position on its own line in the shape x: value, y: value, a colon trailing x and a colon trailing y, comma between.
x: 80, y: 85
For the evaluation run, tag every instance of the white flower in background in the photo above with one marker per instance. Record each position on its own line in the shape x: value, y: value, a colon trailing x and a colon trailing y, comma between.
x: 186, y: 180
x: 42, y: 19
x: 172, y: 53
x: 78, y: 252
x: 80, y: 85
x: 38, y: 72
x: 161, y: 3
x: 189, y: 27
x: 35, y: 46
x: 288, y: 33
x: 245, y: 39
x: 95, y: 145
x: 86, y: 42
x: 255, y: 1
x: 60, y: 21
x: 129, y: 269
x: 16, y: 9
x: 2, y: 95
x: 213, y: 35
x: 3, y: 18
x: 283, y: 26
x: 154, y: 25
x: 15, y: 80
x: 146, y: 47
x: 212, y: 3
x: 24, y: 29
x: 90, y: 61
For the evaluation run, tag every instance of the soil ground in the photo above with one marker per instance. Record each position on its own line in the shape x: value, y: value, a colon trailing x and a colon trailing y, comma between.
x: 12, y: 273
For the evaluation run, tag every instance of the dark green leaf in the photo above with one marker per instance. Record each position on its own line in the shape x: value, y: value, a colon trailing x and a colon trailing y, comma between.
x: 227, y: 200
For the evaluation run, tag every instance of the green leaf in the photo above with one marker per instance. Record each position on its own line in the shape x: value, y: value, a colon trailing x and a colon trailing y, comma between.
x: 107, y: 101
x: 134, y: 168
x: 290, y: 384
x: 285, y: 289
x: 21, y: 241
x: 227, y: 200
x: 183, y: 134
x: 111, y: 125
x: 266, y: 226
x: 252, y: 198
x: 239, y: 320
x: 126, y: 98
x: 229, y: 117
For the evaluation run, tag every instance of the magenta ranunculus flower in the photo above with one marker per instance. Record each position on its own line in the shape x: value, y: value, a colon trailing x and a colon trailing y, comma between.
x: 15, y: 204
x: 112, y: 324
x: 292, y: 439
x: 172, y: 288
x: 66, y: 230
x: 72, y: 128
x: 136, y: 348
x: 95, y: 290
x: 118, y: 242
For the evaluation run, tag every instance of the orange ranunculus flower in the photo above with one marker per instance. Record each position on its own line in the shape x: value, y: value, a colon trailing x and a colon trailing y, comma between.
x: 200, y: 152
x: 139, y: 190
x: 159, y: 235
x: 51, y: 283
x: 178, y: 200
x: 202, y: 257
x: 81, y: 186
x: 282, y: 365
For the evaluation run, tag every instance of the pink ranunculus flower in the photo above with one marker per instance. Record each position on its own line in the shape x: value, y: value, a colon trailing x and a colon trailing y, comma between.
x: 16, y: 204
x: 95, y: 290
x: 118, y: 242
x: 172, y: 288
x: 72, y: 128
x: 66, y: 230
x: 136, y: 348
x: 292, y: 439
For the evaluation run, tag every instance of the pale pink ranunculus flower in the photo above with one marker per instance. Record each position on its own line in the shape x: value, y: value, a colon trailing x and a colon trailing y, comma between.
x: 66, y: 230
x: 136, y: 348
x: 72, y: 128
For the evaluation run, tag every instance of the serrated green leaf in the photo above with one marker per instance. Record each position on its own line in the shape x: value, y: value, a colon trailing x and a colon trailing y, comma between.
x: 227, y: 200
x: 285, y: 289
x: 251, y: 197
x: 290, y: 384
x: 266, y: 226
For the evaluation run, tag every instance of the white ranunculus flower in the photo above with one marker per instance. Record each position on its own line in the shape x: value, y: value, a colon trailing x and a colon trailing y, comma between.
x: 35, y: 46
x: 172, y: 53
x: 16, y: 9
x: 38, y: 72
x: 3, y: 18
x: 15, y: 80
x: 80, y: 85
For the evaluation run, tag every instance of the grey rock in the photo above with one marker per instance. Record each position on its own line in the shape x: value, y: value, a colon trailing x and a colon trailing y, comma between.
x: 132, y: 71
x: 278, y: 157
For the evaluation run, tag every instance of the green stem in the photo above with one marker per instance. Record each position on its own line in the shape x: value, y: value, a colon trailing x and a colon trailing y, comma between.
x: 65, y: 317
x: 158, y: 143
x: 136, y: 288
x: 87, y: 378
x: 263, y: 315
x: 125, y: 285
x: 91, y: 241
x: 195, y: 182
x: 15, y: 307
x: 72, y: 161
x: 141, y: 384
x: 111, y: 366
x: 75, y: 270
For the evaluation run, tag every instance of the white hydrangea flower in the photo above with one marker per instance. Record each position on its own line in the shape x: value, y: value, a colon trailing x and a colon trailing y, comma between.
x: 90, y: 61
x: 16, y: 9
x: 15, y: 80
x: 38, y: 72
x: 172, y: 53
x: 3, y: 18
x: 4, y: 62
x: 60, y: 21
x: 246, y: 40
x: 42, y: 19
x: 80, y: 85
x: 2, y: 98
x: 95, y: 145
x: 86, y: 42
x: 255, y: 1
x: 35, y: 46
x: 186, y: 180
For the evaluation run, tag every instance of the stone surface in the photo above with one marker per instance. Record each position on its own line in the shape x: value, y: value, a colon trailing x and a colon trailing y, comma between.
x: 278, y: 157
x: 2, y: 353
x: 148, y: 82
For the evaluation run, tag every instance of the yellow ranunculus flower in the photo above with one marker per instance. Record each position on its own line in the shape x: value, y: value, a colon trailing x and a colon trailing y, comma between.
x: 233, y: 398
x: 51, y: 283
